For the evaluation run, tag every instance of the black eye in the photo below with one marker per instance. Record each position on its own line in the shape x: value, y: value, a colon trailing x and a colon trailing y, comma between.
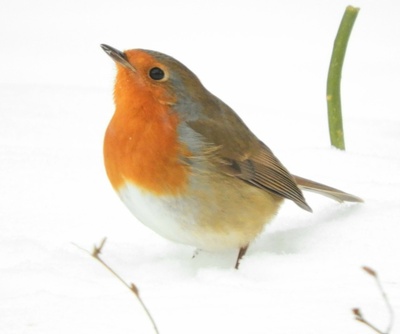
x: 156, y: 73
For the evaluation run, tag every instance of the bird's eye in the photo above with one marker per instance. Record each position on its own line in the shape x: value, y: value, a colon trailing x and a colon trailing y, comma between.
x: 156, y: 73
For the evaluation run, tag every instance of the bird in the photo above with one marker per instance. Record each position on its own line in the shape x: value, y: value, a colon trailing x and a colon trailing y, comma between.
x: 186, y: 165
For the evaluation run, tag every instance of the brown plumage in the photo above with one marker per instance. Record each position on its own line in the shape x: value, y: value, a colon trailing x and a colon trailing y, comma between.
x: 184, y: 162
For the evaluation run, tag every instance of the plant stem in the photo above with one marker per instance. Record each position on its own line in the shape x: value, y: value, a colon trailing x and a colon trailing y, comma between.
x: 132, y: 287
x: 334, y: 77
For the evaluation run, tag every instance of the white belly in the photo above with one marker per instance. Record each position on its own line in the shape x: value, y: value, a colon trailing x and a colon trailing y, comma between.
x: 169, y: 216
x: 212, y: 219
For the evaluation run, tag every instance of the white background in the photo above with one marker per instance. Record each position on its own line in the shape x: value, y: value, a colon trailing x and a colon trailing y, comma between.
x: 267, y: 60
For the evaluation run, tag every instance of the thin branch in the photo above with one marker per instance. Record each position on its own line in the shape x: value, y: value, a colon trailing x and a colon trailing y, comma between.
x: 357, y: 312
x: 132, y: 287
x: 359, y: 317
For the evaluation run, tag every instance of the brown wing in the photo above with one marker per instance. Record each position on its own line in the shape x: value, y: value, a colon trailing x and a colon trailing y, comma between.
x: 263, y: 170
x: 240, y: 154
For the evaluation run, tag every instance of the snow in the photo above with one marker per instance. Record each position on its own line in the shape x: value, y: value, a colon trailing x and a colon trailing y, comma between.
x: 269, y: 62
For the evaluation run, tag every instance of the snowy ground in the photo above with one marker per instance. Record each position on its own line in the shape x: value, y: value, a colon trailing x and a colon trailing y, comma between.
x: 269, y: 62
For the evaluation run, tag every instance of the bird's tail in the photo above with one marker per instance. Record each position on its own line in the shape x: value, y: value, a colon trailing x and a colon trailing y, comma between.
x: 335, y: 194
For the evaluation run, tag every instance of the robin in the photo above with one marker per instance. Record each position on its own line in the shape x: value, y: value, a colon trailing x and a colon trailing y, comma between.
x: 186, y: 165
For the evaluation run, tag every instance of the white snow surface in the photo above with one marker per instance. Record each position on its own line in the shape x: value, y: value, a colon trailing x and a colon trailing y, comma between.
x: 267, y: 60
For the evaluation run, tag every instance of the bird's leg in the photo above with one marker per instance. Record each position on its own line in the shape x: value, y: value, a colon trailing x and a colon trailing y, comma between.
x: 242, y: 251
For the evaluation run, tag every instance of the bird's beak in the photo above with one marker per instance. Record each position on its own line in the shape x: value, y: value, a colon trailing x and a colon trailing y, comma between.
x: 118, y: 56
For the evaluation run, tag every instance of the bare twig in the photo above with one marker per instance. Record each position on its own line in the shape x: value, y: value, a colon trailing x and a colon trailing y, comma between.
x: 359, y: 317
x: 357, y: 312
x: 132, y: 287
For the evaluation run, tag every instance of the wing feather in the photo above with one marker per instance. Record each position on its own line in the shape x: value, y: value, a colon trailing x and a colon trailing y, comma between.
x: 239, y: 153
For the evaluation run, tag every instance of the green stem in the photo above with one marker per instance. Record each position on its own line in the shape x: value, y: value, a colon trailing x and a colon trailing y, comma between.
x: 334, y: 77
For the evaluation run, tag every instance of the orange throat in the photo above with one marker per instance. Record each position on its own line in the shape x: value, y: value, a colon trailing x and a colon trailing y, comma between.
x: 141, y: 147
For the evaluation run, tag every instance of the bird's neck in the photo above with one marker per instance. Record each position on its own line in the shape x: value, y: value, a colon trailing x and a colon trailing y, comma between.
x: 141, y: 147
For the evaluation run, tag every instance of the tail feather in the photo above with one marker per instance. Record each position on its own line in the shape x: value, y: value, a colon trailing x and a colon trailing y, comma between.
x: 335, y: 194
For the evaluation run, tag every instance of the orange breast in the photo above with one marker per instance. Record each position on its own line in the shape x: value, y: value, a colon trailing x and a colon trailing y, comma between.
x: 141, y: 144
